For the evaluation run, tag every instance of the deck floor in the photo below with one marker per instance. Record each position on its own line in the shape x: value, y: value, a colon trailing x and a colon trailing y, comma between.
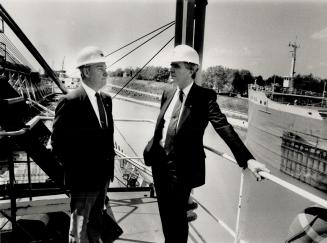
x: 138, y: 215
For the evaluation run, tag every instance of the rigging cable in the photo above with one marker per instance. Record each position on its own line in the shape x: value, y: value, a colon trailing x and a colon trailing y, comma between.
x: 140, y: 45
x: 142, y: 67
x: 172, y: 22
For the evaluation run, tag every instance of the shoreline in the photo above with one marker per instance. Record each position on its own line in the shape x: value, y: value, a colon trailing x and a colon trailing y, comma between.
x: 236, y: 119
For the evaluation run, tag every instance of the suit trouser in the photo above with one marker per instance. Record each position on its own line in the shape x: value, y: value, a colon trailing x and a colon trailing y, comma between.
x: 86, y: 219
x: 172, y: 199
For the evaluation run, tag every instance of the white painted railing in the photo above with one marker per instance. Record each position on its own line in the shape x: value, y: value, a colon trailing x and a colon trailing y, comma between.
x: 236, y: 234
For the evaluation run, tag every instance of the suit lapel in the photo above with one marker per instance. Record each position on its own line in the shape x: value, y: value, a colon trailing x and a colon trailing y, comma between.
x: 88, y: 108
x: 170, y: 95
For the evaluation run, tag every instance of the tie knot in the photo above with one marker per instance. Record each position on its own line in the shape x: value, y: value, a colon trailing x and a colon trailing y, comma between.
x: 181, y: 95
x: 97, y: 95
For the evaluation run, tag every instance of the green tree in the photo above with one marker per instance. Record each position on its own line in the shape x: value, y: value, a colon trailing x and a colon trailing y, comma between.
x: 308, y: 82
x: 241, y: 81
x: 162, y: 74
x: 259, y: 80
x: 275, y: 79
x: 215, y: 77
x: 128, y: 71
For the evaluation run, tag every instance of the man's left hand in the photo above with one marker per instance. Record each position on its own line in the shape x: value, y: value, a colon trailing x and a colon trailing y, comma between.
x: 255, y: 167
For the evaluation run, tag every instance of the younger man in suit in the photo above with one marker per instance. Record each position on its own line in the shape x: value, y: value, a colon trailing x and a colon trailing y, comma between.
x: 176, y: 151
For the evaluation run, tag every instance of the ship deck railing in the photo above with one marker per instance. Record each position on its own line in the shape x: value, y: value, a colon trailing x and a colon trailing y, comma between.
x: 233, y: 231
x: 287, y: 91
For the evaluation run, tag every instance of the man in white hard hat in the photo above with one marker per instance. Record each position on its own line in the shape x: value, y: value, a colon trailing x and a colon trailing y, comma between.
x: 176, y: 151
x: 82, y: 140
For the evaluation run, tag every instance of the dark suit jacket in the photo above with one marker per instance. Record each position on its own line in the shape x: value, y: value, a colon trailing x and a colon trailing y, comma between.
x: 200, y: 108
x: 84, y: 148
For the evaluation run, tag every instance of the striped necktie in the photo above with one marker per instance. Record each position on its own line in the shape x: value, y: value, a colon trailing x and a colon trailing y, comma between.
x: 102, y: 112
x: 172, y: 128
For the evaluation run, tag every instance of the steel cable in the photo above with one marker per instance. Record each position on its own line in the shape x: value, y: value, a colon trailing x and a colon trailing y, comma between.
x: 140, y: 45
x: 172, y: 22
x: 142, y: 67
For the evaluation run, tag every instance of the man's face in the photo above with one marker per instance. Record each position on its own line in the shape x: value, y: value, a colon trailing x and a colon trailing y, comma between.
x: 180, y: 74
x: 98, y: 74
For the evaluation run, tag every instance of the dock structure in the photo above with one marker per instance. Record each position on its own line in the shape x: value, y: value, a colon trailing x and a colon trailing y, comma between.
x: 304, y: 161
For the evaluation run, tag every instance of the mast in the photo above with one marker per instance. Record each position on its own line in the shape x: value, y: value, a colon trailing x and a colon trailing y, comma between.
x: 294, y: 46
x: 190, y: 23
x: 63, y: 64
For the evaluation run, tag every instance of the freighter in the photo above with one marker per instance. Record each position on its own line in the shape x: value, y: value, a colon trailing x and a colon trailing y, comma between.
x: 288, y: 129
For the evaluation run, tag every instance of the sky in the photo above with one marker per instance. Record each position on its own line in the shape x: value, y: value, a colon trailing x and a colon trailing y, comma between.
x: 240, y: 34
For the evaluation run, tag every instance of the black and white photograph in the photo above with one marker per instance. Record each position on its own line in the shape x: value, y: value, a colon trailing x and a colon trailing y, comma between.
x: 163, y: 121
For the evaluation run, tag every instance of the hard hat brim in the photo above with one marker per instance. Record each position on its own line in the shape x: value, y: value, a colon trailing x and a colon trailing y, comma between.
x: 98, y: 60
x: 178, y: 60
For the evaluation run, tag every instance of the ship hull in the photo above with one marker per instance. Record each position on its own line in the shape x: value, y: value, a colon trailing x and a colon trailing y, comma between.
x: 301, y: 155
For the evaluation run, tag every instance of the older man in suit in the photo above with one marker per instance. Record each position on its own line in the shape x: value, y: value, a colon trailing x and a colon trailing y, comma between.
x: 82, y: 140
x: 176, y: 151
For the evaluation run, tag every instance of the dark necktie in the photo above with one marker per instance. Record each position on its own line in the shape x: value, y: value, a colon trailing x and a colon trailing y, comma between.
x: 102, y: 112
x: 172, y: 128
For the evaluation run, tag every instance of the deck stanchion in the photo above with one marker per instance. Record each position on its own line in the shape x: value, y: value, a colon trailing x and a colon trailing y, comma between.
x: 238, y: 216
x: 12, y: 192
x: 29, y: 174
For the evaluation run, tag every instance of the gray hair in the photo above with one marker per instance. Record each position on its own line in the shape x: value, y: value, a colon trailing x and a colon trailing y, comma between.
x: 192, y: 67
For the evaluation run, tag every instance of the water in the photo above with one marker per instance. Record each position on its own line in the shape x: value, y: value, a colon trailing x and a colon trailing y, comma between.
x: 233, y: 103
x: 267, y: 209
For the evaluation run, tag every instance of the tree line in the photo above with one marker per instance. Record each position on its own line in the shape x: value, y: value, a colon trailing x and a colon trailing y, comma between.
x: 151, y: 73
x: 225, y: 80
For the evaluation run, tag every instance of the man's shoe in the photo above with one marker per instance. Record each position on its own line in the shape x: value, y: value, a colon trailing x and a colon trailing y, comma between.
x: 191, y: 216
x: 191, y: 206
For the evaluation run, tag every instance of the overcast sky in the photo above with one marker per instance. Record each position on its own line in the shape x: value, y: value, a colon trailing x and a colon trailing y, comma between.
x: 242, y: 34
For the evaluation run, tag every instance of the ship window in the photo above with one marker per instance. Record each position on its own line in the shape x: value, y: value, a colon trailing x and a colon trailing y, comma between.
x: 260, y: 102
x: 310, y: 113
x: 265, y: 103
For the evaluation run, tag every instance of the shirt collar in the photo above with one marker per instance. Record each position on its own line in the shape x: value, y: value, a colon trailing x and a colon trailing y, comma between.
x: 89, y: 91
x: 187, y: 89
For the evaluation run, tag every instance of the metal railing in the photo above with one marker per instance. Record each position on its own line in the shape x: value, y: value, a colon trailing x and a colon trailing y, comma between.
x: 236, y: 233
x: 295, y: 189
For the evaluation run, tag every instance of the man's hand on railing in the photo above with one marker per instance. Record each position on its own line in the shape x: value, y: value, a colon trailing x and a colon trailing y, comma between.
x: 255, y: 167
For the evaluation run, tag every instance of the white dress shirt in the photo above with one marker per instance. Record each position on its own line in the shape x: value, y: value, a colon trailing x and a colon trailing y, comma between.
x: 91, y: 94
x: 169, y: 111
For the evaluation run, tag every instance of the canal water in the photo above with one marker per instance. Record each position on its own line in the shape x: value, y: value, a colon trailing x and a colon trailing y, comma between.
x: 267, y: 209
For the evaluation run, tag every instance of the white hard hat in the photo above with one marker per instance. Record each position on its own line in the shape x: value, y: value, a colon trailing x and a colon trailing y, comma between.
x: 185, y: 53
x: 89, y: 55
